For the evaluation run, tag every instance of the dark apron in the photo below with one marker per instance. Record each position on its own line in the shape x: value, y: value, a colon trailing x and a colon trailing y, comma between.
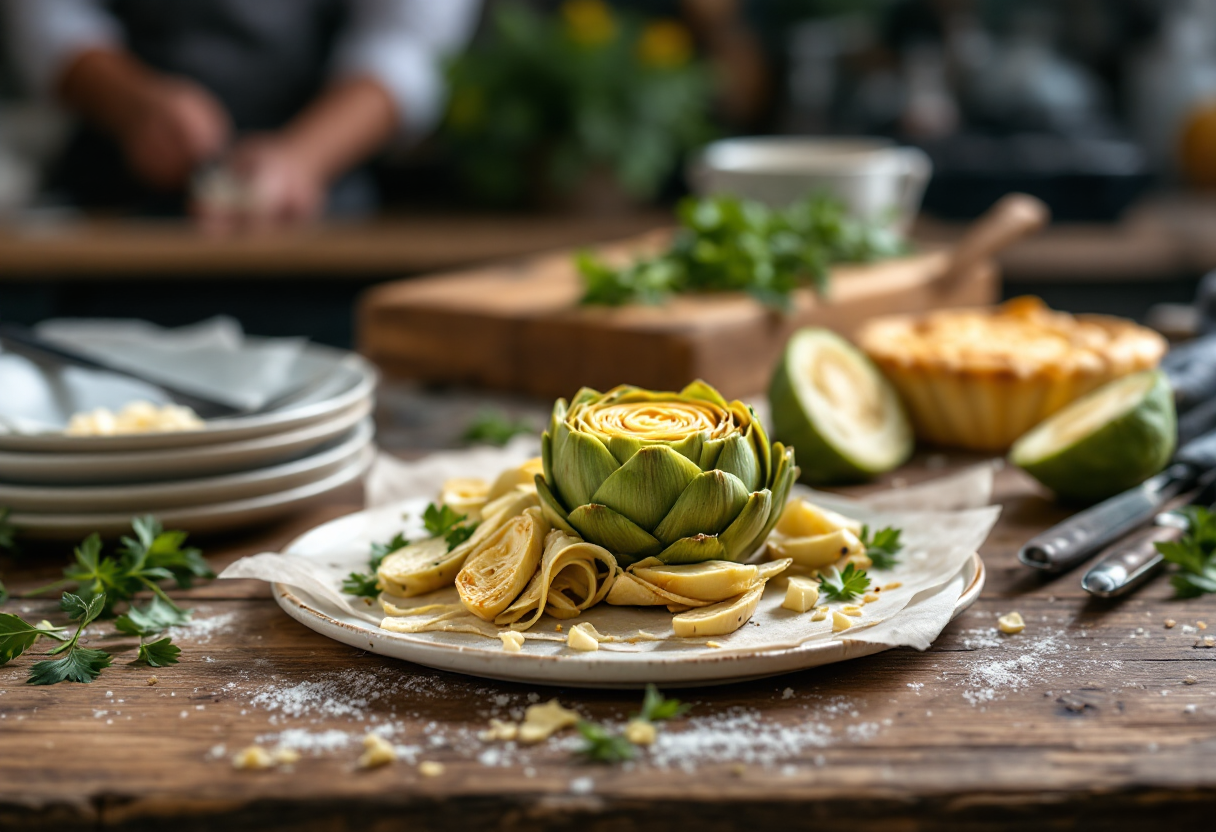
x: 263, y: 59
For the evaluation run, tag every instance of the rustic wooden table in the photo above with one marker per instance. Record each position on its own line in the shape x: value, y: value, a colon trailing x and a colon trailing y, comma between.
x: 1096, y: 717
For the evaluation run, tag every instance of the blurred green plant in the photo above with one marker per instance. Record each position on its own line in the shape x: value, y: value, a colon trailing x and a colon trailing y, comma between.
x: 547, y: 100
x: 729, y: 244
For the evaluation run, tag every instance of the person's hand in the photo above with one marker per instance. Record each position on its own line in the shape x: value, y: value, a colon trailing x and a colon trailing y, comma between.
x: 269, y: 183
x: 172, y: 127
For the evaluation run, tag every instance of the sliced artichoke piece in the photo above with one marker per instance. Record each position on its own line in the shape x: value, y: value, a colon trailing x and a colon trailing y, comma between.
x: 770, y: 570
x: 498, y: 569
x: 522, y: 477
x: 714, y: 580
x: 419, y: 568
x: 802, y: 518
x: 628, y: 591
x: 573, y: 576
x: 465, y: 495
x: 719, y: 619
x: 819, y: 551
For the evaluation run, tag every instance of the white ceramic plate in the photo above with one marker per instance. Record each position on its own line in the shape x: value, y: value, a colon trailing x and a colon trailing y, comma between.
x: 216, y: 517
x: 345, y: 379
x: 177, y: 463
x: 476, y: 656
x: 153, y: 497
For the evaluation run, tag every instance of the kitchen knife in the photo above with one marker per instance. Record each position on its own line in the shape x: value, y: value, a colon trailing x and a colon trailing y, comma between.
x: 1129, y: 563
x: 1078, y: 538
x: 21, y: 341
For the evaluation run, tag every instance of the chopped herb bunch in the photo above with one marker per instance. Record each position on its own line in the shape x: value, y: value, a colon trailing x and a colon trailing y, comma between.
x: 728, y: 244
x: 493, y: 427
x: 1194, y: 554
x: 655, y: 708
x: 844, y: 586
x: 883, y: 547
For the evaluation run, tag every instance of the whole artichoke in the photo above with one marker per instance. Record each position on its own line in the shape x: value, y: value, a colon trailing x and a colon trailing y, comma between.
x: 686, y: 477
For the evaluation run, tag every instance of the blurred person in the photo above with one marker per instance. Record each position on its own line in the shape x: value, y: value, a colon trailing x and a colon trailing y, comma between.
x: 268, y: 104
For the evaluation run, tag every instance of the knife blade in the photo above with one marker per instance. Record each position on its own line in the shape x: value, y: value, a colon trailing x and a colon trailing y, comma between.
x: 21, y: 341
x: 1128, y: 564
x: 1083, y: 535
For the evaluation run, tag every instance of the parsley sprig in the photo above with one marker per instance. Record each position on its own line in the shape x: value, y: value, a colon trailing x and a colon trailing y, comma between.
x: 18, y: 635
x: 493, y: 427
x: 844, y: 586
x: 601, y: 745
x: 883, y: 548
x: 1194, y: 554
x: 76, y: 663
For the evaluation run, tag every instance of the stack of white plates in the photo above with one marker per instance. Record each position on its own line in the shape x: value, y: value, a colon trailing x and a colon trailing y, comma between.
x: 237, y: 472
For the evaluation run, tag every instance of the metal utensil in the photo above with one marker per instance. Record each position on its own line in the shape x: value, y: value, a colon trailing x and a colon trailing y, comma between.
x: 1083, y: 535
x: 20, y: 340
x: 1128, y: 564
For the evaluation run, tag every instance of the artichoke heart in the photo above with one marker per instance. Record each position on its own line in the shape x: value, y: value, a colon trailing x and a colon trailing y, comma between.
x: 802, y: 518
x: 719, y: 619
x: 498, y: 569
x: 819, y: 551
x: 574, y: 575
x: 685, y: 477
x: 714, y: 580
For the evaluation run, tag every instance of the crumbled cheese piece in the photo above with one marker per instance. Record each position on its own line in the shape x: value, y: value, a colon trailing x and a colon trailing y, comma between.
x: 801, y: 595
x: 1190, y: 680
x: 543, y: 721
x: 1011, y: 623
x: 851, y: 610
x: 819, y: 615
x: 641, y: 732
x: 713, y: 644
x: 512, y: 642
x: 499, y: 730
x: 892, y: 585
x: 558, y: 628
x: 152, y: 680
x: 840, y: 622
x: 253, y: 758
x: 1170, y: 623
x: 377, y: 751
x: 286, y: 756
x: 1203, y: 625
x: 583, y: 637
x: 869, y: 597
x: 430, y: 768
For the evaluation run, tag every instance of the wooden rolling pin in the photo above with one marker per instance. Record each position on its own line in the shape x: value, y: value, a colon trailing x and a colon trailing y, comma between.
x: 1013, y: 217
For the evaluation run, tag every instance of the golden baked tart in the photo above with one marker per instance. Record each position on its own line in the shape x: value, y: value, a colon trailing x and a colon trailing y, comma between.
x: 980, y: 378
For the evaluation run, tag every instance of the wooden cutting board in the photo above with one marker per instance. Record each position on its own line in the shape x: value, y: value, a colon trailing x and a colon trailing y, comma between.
x: 518, y: 327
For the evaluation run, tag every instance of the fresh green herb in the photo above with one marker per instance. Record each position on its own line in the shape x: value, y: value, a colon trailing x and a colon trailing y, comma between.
x: 155, y: 617
x: 159, y: 653
x: 883, y: 547
x: 601, y: 746
x: 18, y: 635
x: 362, y: 585
x: 143, y: 562
x: 1194, y: 554
x: 78, y: 664
x: 844, y: 586
x: 728, y: 244
x: 655, y: 708
x: 382, y: 550
x: 493, y: 427
x: 442, y: 521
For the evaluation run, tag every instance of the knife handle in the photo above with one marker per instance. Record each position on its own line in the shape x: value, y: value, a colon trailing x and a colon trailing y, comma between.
x: 1078, y: 538
x: 1129, y: 563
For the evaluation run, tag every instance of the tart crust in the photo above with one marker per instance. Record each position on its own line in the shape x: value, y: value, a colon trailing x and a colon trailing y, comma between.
x: 980, y: 378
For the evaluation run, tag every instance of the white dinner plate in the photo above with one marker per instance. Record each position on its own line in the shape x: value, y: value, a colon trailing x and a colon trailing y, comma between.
x: 340, y: 380
x: 329, y: 546
x: 151, y: 497
x: 216, y: 517
x: 176, y: 463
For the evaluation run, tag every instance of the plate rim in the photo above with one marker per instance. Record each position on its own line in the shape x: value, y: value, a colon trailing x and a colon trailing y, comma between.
x: 303, y: 612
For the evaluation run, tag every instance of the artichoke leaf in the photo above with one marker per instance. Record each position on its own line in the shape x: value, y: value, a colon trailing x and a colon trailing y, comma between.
x: 693, y: 549
x: 743, y: 536
x: 700, y: 390
x: 646, y: 487
x: 499, y: 568
x: 581, y: 464
x: 738, y: 457
x: 615, y: 532
x: 573, y: 576
x: 554, y: 512
x: 708, y: 505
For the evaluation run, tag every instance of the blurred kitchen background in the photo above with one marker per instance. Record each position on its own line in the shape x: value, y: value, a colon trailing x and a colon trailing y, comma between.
x: 1104, y: 109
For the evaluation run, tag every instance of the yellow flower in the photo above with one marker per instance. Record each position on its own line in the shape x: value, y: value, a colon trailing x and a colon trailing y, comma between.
x: 589, y: 22
x: 466, y: 108
x: 665, y: 44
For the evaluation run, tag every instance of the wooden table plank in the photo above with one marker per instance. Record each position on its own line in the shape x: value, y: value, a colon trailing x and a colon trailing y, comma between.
x: 1084, y: 717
